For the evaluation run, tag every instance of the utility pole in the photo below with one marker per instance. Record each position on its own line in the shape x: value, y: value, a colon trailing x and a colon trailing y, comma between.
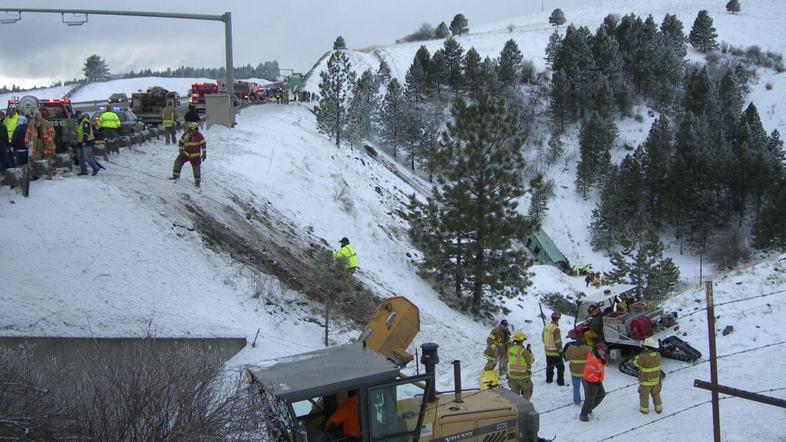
x: 713, y: 361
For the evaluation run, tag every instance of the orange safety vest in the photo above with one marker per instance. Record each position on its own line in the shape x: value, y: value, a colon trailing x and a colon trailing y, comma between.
x: 593, y: 369
x: 347, y: 416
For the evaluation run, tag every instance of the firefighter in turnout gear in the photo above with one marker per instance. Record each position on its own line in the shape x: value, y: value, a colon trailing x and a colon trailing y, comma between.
x: 497, y: 348
x: 193, y: 149
x: 595, y: 332
x: 520, y: 367
x: 169, y: 122
x: 40, y: 137
x: 576, y: 354
x: 648, y: 363
x: 552, y: 344
x: 347, y: 253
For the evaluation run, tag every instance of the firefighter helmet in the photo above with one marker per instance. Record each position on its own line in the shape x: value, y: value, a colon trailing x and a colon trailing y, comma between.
x: 192, y: 126
x: 519, y: 336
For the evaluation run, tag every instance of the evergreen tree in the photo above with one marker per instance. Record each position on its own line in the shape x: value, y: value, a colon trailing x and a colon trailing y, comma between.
x: 673, y: 35
x: 669, y: 64
x: 576, y: 62
x: 454, y: 55
x: 334, y: 90
x: 595, y: 142
x: 425, y: 129
x: 442, y: 31
x: 418, y: 79
x: 733, y: 6
x: 702, y: 35
x: 552, y: 48
x: 559, y: 99
x: 539, y: 204
x: 438, y: 72
x: 468, y: 229
x: 730, y: 98
x: 473, y: 74
x: 610, y: 23
x: 363, y: 108
x: 393, y: 117
x: 699, y: 97
x: 655, y: 157
x: 641, y: 263
x: 459, y: 25
x: 770, y: 230
x: 339, y: 44
x: 383, y: 72
x: 489, y: 75
x: 510, y: 60
x: 95, y: 68
x: 556, y: 148
x: 557, y: 17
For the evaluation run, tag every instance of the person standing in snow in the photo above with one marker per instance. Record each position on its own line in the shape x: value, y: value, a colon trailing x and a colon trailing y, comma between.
x: 520, y: 366
x: 648, y: 363
x: 169, y: 122
x: 552, y: 344
x: 595, y: 331
x: 40, y: 137
x: 192, y: 149
x: 497, y: 348
x: 347, y: 254
x: 594, y: 372
x: 192, y: 115
x: 576, y: 353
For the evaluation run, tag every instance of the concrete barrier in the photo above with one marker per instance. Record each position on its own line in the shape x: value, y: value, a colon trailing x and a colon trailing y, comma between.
x: 146, y: 134
x: 136, y: 139
x: 63, y: 161
x: 41, y: 168
x: 99, y: 150
x: 13, y: 176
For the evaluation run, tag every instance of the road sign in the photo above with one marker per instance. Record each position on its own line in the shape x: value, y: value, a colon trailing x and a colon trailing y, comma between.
x: 295, y: 80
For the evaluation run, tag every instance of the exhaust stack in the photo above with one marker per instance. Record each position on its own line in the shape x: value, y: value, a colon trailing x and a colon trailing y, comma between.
x: 430, y: 359
x: 457, y: 380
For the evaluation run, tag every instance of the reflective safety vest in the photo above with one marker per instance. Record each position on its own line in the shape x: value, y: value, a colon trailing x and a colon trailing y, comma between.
x: 192, y: 145
x: 80, y: 131
x: 593, y: 369
x: 168, y: 116
x: 648, y: 363
x: 577, y: 356
x: 519, y: 362
x: 109, y: 120
x: 10, y: 125
x: 551, y: 343
x: 348, y: 253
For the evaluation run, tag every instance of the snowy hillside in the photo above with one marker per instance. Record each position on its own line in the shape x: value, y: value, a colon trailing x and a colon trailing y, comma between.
x: 49, y: 92
x: 102, y: 90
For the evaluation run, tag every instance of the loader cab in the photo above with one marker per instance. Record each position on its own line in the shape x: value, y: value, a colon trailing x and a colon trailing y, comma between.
x: 300, y: 395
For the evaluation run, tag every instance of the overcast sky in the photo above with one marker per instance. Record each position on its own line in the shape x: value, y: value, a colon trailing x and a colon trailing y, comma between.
x: 40, y: 49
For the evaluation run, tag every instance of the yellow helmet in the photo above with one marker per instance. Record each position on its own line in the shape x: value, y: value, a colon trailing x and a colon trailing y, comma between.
x: 519, y: 336
x: 192, y: 126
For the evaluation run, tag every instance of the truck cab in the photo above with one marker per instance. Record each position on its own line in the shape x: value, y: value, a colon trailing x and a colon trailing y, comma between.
x: 198, y: 92
x: 60, y: 113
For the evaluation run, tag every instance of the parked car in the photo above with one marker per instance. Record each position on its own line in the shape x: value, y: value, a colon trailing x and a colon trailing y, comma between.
x: 118, y: 98
x: 129, y: 123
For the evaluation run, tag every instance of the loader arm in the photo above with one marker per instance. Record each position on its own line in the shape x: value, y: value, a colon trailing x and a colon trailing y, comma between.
x: 392, y: 328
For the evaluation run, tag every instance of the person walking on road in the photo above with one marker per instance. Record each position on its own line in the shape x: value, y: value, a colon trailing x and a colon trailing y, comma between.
x: 594, y: 371
x: 192, y: 149
x: 520, y: 366
x: 576, y: 353
x: 169, y: 122
x: 648, y: 363
x: 552, y: 344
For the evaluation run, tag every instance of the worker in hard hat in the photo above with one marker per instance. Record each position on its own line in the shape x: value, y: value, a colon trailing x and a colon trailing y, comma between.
x: 552, y: 344
x: 648, y: 363
x: 520, y: 366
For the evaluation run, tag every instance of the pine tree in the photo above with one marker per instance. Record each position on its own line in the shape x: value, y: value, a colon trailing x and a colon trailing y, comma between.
x: 393, y: 117
x: 459, y: 25
x: 702, y: 35
x: 383, y: 72
x: 556, y: 148
x: 438, y: 72
x: 454, y: 55
x: 552, y: 48
x: 655, y: 157
x: 576, y: 62
x: 510, y: 62
x: 595, y: 142
x: 733, y: 6
x: 418, y: 78
x: 473, y: 74
x: 339, y: 44
x: 539, y: 204
x: 559, y: 99
x: 730, y: 98
x: 425, y: 130
x: 334, y: 90
x: 489, y: 75
x: 95, y: 68
x: 363, y: 108
x: 641, y: 263
x: 442, y: 31
x: 770, y: 230
x: 557, y: 17
x: 468, y: 229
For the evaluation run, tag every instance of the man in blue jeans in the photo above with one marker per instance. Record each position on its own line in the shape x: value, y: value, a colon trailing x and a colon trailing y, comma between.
x: 576, y: 354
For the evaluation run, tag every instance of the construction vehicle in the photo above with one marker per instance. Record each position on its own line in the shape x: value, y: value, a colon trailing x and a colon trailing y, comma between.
x: 301, y: 392
x: 57, y: 111
x: 627, y: 329
x: 198, y: 92
x: 147, y: 106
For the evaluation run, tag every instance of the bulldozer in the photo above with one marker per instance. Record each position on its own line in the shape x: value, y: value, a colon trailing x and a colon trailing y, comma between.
x: 625, y: 328
x: 300, y: 393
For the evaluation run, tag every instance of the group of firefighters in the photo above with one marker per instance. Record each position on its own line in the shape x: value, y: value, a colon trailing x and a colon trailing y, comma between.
x: 586, y: 355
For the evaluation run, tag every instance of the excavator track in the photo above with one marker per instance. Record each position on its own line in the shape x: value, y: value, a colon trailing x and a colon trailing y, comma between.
x: 675, y: 348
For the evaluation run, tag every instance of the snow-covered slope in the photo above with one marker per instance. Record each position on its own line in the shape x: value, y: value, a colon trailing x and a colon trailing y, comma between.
x: 49, y: 92
x: 102, y: 90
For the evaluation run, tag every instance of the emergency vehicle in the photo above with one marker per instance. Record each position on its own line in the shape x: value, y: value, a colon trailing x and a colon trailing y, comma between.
x: 198, y: 92
x: 57, y: 111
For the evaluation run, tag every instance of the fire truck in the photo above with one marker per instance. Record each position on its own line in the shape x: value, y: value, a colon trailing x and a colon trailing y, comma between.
x: 198, y: 92
x: 247, y: 90
x: 57, y: 111
x: 148, y: 105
